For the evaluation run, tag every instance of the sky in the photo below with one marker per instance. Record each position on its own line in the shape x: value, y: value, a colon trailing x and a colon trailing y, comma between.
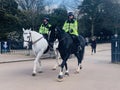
x: 68, y: 3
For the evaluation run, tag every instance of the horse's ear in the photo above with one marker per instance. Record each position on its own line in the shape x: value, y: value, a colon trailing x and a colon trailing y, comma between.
x: 23, y: 29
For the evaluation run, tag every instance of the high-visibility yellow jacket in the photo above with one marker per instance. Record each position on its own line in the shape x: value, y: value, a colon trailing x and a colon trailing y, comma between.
x: 71, y: 28
x: 44, y: 29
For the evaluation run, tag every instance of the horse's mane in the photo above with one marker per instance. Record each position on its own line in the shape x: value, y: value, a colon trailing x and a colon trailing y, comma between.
x: 36, y: 33
x: 62, y: 31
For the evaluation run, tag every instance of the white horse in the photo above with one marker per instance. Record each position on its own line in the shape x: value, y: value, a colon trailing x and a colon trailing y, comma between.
x: 39, y: 46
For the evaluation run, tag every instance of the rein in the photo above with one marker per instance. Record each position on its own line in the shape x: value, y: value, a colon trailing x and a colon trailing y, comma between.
x: 62, y: 39
x: 26, y: 41
x: 36, y: 40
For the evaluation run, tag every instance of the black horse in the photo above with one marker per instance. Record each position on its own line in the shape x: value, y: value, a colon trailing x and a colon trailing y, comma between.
x: 66, y: 47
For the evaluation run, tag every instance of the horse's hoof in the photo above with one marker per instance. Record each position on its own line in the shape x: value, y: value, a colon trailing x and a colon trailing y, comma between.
x: 80, y: 67
x: 54, y: 69
x: 60, y: 78
x: 77, y: 72
x: 59, y: 65
x: 33, y: 74
x: 66, y: 73
x: 40, y: 71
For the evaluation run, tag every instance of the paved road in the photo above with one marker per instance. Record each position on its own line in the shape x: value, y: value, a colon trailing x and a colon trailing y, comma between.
x: 98, y: 73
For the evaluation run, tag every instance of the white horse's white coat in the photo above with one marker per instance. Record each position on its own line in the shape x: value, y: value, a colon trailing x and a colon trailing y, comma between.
x: 39, y: 45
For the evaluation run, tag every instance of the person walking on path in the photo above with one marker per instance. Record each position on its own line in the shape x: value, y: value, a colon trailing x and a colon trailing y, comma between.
x: 93, y: 46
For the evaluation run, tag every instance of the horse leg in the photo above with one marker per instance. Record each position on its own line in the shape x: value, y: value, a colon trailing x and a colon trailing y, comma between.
x: 56, y: 57
x: 67, y: 71
x: 79, y: 58
x: 60, y: 76
x: 36, y: 62
x: 57, y: 60
x: 40, y: 66
x: 79, y: 67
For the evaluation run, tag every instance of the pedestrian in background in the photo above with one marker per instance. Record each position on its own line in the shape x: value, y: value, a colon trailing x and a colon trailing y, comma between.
x: 93, y: 46
x: 87, y: 41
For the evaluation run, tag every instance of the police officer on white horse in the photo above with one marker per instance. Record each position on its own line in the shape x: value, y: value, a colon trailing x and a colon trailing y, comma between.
x: 44, y: 28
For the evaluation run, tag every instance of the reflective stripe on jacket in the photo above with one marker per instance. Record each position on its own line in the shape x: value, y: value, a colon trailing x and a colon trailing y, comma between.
x: 72, y: 28
x: 43, y: 29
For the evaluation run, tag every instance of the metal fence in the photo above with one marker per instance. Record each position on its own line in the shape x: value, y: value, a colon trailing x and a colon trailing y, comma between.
x: 8, y: 47
x: 16, y: 48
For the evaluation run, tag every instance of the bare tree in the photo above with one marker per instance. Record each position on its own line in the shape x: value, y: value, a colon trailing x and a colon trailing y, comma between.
x: 71, y: 5
x: 28, y: 5
x: 31, y: 8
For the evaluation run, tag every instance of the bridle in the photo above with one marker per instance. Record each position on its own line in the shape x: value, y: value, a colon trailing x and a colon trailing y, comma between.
x: 30, y: 41
x: 28, y: 38
x: 36, y: 40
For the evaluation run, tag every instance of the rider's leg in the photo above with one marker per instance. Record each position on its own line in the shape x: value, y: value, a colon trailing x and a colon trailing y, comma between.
x: 78, y: 43
x: 45, y: 36
x: 79, y: 46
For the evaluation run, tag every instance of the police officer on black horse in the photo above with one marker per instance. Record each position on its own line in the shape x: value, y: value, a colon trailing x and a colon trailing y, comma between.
x: 71, y: 26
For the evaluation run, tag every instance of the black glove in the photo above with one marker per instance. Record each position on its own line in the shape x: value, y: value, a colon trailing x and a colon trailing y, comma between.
x: 71, y: 30
x: 47, y: 27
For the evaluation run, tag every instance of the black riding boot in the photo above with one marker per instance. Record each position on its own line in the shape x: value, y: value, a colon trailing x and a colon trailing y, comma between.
x: 78, y: 44
x: 45, y: 36
x: 77, y: 41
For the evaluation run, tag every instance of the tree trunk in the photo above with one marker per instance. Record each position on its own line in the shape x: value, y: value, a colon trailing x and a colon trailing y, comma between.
x: 92, y: 28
